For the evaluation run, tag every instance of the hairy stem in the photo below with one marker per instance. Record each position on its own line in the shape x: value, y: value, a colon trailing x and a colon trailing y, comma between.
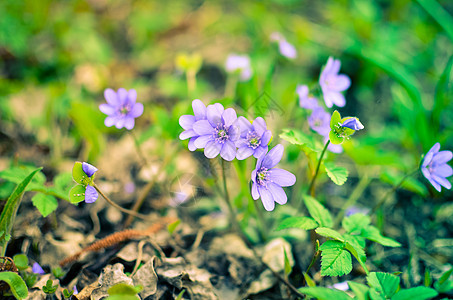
x: 232, y: 216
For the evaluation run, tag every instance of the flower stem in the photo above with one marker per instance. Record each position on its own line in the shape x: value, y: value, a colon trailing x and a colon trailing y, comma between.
x: 137, y: 147
x: 312, y: 183
x: 124, y: 210
x: 384, y: 198
x: 260, y: 221
x: 226, y: 197
x: 315, y: 256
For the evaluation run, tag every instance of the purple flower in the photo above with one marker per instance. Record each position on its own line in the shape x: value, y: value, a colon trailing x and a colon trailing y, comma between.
x: 356, y: 210
x: 254, y: 138
x: 435, y: 168
x: 37, y: 269
x: 89, y: 169
x: 332, y: 147
x: 286, y: 49
x: 121, y: 108
x: 218, y: 133
x: 353, y: 123
x: 75, y: 290
x: 304, y: 100
x: 268, y: 181
x: 187, y: 121
x: 319, y: 121
x: 91, y: 195
x: 240, y: 64
x: 332, y: 83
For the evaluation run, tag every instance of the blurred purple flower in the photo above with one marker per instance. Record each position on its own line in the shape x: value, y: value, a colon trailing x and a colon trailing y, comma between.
x: 319, y: 121
x: 342, y: 286
x: 254, y: 138
x: 332, y: 147
x: 89, y: 169
x: 37, y: 269
x: 187, y: 121
x: 286, y: 49
x: 240, y: 64
x: 304, y: 100
x: 218, y: 133
x: 353, y: 123
x: 435, y: 168
x: 121, y: 108
x: 332, y: 83
x: 268, y: 181
x: 355, y: 210
x: 75, y: 290
x: 91, y: 195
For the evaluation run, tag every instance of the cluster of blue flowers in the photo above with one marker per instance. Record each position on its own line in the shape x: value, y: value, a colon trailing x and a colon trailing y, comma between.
x: 219, y: 131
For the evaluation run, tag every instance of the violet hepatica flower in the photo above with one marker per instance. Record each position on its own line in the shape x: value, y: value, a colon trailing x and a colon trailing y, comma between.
x: 286, y: 49
x: 319, y: 121
x: 353, y: 123
x: 268, y: 180
x: 332, y: 83
x: 254, y: 138
x: 121, y: 108
x: 239, y: 64
x: 218, y: 133
x: 187, y: 121
x: 435, y: 167
x: 91, y: 195
x: 37, y: 269
x: 305, y: 101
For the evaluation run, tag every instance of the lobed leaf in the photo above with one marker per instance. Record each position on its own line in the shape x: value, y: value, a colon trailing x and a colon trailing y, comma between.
x: 297, y: 137
x: 306, y: 223
x: 339, y: 175
x: 318, y: 212
x: 360, y: 290
x: 77, y: 173
x: 373, y: 234
x: 327, y: 232
x: 16, y: 284
x: 46, y: 204
x: 77, y: 194
x: 21, y: 261
x: 335, y: 260
x: 386, y: 284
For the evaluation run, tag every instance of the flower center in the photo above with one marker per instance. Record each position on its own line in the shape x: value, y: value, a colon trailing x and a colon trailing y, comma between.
x: 340, y: 131
x: 262, y: 176
x: 221, y: 134
x: 253, y: 139
x: 125, y: 109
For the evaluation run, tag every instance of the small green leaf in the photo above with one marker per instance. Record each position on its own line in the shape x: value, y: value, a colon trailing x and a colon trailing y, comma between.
x: 360, y: 290
x: 419, y: 293
x: 427, y: 278
x: 57, y: 272
x: 339, y: 175
x: 358, y: 252
x: 373, y: 234
x: 288, y: 267
x: 310, y: 282
x: 124, y: 289
x: 318, y: 212
x: 327, y: 232
x: 355, y: 223
x: 46, y: 204
x: 306, y: 223
x: 297, y: 137
x: 172, y: 226
x: 9, y: 212
x: 322, y: 293
x: 386, y: 284
x: 444, y: 284
x: 21, y: 261
x: 16, y: 284
x: 49, y: 288
x: 179, y: 297
x: 334, y: 139
x: 77, y: 194
x: 63, y: 182
x: 335, y: 119
x: 335, y: 260
x: 67, y: 294
x: 78, y: 174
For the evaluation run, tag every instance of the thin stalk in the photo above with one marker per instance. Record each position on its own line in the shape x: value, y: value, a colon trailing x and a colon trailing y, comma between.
x: 138, y: 148
x: 315, y: 256
x: 191, y: 81
x: 124, y: 210
x: 226, y: 197
x: 260, y: 221
x: 384, y: 198
x: 312, y: 184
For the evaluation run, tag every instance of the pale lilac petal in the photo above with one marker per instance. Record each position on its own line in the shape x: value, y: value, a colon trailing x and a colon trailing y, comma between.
x: 91, y: 195
x: 89, y: 169
x: 212, y: 149
x: 426, y: 173
x: 282, y: 177
x: 122, y: 96
x: 233, y: 132
x: 335, y: 148
x: 199, y: 109
x: 244, y: 125
x: 186, y: 121
x: 353, y: 123
x: 442, y: 157
x: 107, y: 109
x: 266, y: 198
x: 278, y: 194
x: 192, y: 146
x: 434, y: 184
x: 428, y: 157
x: 260, y: 126
x: 260, y: 151
x: 37, y: 269
x: 273, y: 157
x: 443, y: 170
x: 302, y: 91
x: 287, y: 50
x: 228, y: 151
x: 336, y: 65
x: 229, y: 116
x: 203, y: 127
x: 242, y: 143
x: 201, y: 141
x: 129, y: 123
x: 339, y: 83
x: 327, y: 69
x: 244, y: 152
x: 214, y: 115
x: 246, y: 74
x: 442, y: 181
x: 120, y: 123
x: 266, y: 137
x: 187, y: 134
x: 110, y: 121
x: 137, y: 110
x: 132, y: 96
x: 255, y: 194
x: 335, y: 98
x: 111, y: 97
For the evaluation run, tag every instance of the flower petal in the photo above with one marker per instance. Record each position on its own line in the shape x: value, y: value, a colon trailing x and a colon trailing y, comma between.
x: 120, y: 123
x: 229, y: 116
x: 233, y: 132
x: 278, y: 194
x: 244, y: 125
x: 187, y: 134
x: 339, y: 83
x: 442, y: 157
x: 429, y: 156
x: 228, y: 151
x: 107, y: 109
x: 273, y: 157
x: 192, y: 146
x: 91, y: 195
x: 110, y: 121
x: 260, y: 151
x: 442, y: 181
x: 203, y: 127
x: 37, y: 269
x: 136, y: 111
x: 255, y: 194
x: 212, y: 149
x: 132, y: 96
x: 111, y: 97
x: 443, y: 170
x: 122, y: 96
x: 214, y: 114
x: 129, y: 123
x: 199, y: 109
x: 187, y: 121
x: 244, y: 152
x: 266, y: 198
x: 260, y: 126
x: 89, y: 169
x: 266, y: 137
x: 282, y: 177
x: 331, y: 97
x: 201, y: 141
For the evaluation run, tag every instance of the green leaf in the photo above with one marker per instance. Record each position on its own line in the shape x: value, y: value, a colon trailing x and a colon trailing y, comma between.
x: 444, y: 284
x: 9, y: 212
x: 360, y: 290
x: 318, y: 212
x: 63, y: 182
x: 306, y: 223
x: 124, y: 289
x: 327, y: 232
x: 172, y: 226
x: 49, y: 288
x: 355, y: 223
x: 288, y: 268
x: 334, y: 139
x: 310, y: 282
x: 18, y: 174
x: 358, y: 252
x: 78, y: 174
x: 335, y: 260
x: 322, y: 293
x: 297, y: 137
x: 21, y: 261
x: 442, y: 17
x: 339, y: 175
x: 44, y: 203
x: 77, y: 194
x: 443, y: 94
x: 16, y: 284
x: 57, y: 272
x: 411, y: 184
x: 373, y: 234
x: 419, y: 293
x: 334, y: 120
x: 386, y: 284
